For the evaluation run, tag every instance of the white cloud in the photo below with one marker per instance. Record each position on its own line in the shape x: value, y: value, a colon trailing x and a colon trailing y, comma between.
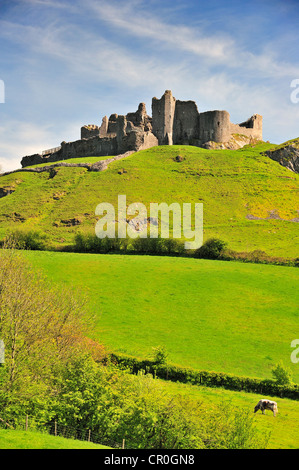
x: 129, y: 51
x: 216, y: 48
x: 147, y: 25
x: 18, y: 139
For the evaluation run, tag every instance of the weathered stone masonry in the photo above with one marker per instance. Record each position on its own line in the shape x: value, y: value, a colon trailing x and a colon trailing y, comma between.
x: 173, y: 122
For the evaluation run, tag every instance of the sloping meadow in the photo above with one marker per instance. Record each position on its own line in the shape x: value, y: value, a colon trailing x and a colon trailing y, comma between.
x: 249, y: 201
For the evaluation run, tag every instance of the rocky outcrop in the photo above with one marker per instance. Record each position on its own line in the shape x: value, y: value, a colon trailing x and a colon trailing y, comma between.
x: 287, y: 156
x: 235, y: 142
x: 6, y: 191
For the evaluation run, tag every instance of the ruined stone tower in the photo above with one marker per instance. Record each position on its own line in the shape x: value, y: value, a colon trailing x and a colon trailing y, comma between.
x: 173, y: 122
x: 163, y: 116
x: 179, y: 122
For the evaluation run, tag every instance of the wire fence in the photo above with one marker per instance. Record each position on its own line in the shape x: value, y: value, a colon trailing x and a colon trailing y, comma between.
x: 69, y: 432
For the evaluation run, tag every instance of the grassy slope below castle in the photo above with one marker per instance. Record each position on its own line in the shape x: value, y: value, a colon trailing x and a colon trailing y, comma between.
x: 214, y: 315
x: 233, y: 185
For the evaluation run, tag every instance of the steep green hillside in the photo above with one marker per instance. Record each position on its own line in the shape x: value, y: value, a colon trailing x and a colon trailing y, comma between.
x: 249, y: 200
x: 214, y: 315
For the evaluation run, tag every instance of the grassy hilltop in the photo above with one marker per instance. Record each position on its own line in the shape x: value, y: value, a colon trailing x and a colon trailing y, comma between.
x: 249, y: 200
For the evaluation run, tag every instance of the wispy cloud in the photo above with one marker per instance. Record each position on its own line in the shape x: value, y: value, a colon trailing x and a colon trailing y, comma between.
x: 66, y: 63
x: 147, y: 25
x: 216, y: 47
x: 18, y: 138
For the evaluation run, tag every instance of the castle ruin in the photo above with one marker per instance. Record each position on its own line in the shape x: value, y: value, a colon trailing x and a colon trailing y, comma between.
x: 173, y: 122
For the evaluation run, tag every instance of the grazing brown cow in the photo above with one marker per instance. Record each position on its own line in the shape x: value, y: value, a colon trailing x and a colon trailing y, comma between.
x: 265, y: 404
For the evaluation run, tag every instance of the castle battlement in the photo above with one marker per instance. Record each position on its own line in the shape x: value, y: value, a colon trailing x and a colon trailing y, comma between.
x: 173, y: 122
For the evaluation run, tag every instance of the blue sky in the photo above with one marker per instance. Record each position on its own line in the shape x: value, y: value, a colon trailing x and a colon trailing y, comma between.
x: 69, y: 63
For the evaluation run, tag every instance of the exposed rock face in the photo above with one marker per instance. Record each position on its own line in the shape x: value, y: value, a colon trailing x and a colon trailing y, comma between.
x: 172, y: 122
x: 287, y: 156
x: 6, y: 191
x: 235, y: 142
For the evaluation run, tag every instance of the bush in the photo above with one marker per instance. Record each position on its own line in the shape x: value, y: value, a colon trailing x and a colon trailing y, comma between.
x: 282, y: 374
x: 116, y: 406
x: 211, y: 249
x: 172, y: 246
x: 160, y: 355
x: 90, y: 243
x: 27, y: 240
x: 158, y: 246
x: 147, y: 245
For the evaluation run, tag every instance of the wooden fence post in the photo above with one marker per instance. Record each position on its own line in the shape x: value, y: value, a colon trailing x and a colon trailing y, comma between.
x: 26, y: 424
x: 89, y: 432
x: 55, y: 428
x: 123, y: 445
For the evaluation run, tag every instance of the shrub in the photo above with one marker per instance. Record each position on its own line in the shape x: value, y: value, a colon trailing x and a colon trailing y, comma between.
x: 211, y: 249
x: 147, y: 245
x: 160, y: 355
x: 90, y: 243
x: 282, y: 374
x: 116, y: 405
x: 27, y: 240
x: 172, y: 246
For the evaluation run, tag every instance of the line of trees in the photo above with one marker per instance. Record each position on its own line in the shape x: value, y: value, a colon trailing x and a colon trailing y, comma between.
x: 213, y: 248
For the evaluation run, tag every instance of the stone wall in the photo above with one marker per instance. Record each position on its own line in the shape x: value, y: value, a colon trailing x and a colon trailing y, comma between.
x: 95, y: 146
x: 140, y: 118
x: 253, y: 127
x: 163, y: 110
x: 214, y: 126
x: 89, y: 131
x: 186, y: 123
x: 172, y: 122
x: 179, y: 122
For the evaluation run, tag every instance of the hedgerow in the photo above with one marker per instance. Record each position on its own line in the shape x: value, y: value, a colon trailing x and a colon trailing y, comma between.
x: 206, y: 378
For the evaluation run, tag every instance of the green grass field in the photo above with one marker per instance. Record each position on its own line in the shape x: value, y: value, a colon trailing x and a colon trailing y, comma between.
x: 283, y: 429
x: 215, y: 315
x: 249, y: 200
x: 15, y: 439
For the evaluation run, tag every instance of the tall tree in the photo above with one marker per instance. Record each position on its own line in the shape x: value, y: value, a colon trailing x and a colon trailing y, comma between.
x: 39, y: 324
